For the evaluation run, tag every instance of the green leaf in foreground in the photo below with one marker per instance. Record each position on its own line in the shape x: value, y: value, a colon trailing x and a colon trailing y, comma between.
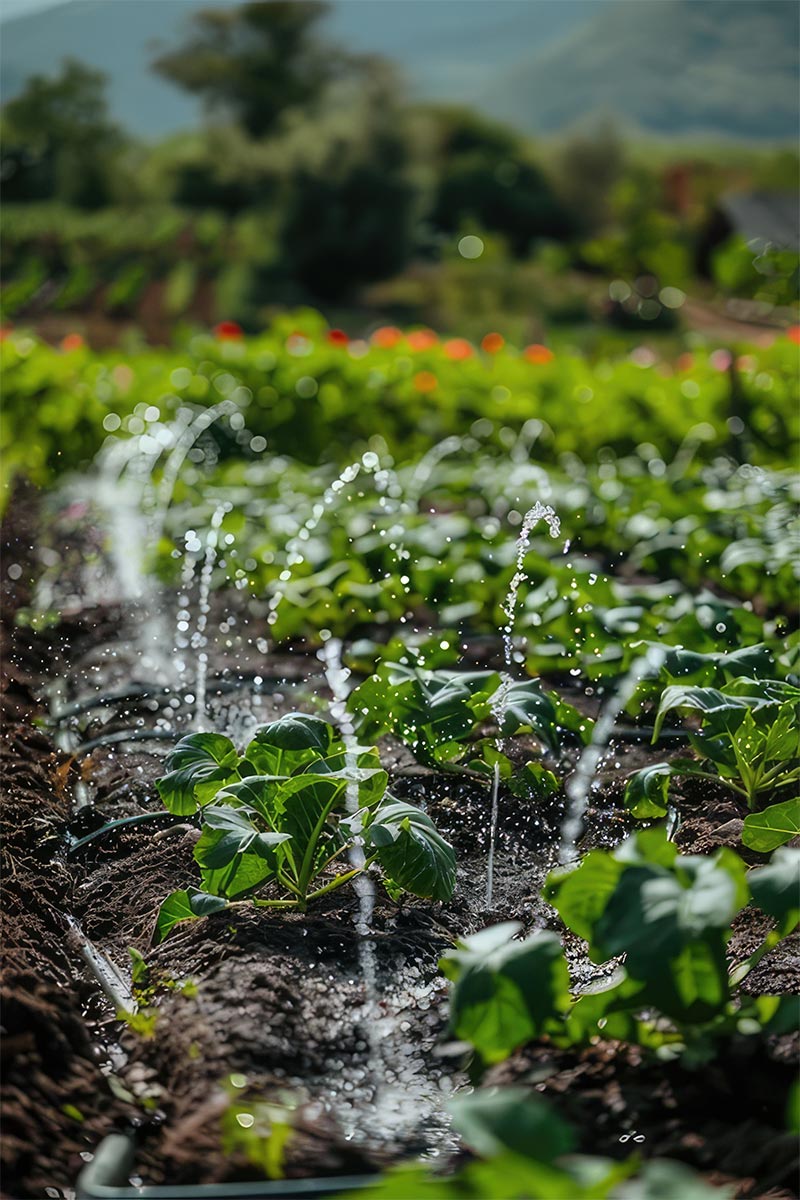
x: 776, y: 887
x: 495, y: 1120
x: 776, y: 825
x: 184, y: 905
x: 505, y: 992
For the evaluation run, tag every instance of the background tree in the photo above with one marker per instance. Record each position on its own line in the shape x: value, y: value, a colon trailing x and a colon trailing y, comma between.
x: 590, y: 165
x: 484, y: 174
x: 255, y: 62
x: 58, y: 139
x: 349, y: 206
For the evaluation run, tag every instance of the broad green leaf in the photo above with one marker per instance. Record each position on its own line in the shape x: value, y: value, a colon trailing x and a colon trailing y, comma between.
x: 580, y: 894
x: 286, y: 744
x: 651, y: 846
x: 240, y: 876
x: 647, y: 791
x: 703, y: 700
x: 526, y: 707
x: 776, y: 887
x: 766, y: 830
x: 511, y: 1118
x: 505, y: 992
x: 706, y: 668
x: 534, y: 781
x: 198, y: 767
x: 230, y: 831
x: 411, y: 850
x: 366, y: 772
x: 305, y: 804
x: 695, y: 987
x: 726, y: 707
x: 184, y: 905
x: 257, y: 792
x: 654, y: 912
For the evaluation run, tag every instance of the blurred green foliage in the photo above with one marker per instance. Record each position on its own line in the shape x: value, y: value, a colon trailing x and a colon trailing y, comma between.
x: 58, y: 140
x: 315, y: 178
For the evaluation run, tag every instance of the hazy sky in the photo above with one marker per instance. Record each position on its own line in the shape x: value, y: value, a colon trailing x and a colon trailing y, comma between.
x: 16, y: 8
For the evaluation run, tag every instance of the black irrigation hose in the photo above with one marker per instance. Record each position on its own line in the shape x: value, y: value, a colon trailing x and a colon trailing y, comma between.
x: 137, y: 691
x: 634, y: 733
x: 106, y: 1178
x: 127, y: 735
x: 150, y: 691
x: 140, y: 819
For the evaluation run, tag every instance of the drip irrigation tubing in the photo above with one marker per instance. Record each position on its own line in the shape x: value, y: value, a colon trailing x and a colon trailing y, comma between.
x: 107, y: 1178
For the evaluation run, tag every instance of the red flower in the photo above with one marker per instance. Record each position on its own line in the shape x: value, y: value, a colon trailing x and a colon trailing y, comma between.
x: 458, y: 349
x: 538, y: 354
x: 425, y: 381
x: 338, y: 337
x: 793, y: 334
x: 493, y: 342
x: 421, y: 339
x: 73, y: 341
x: 386, y: 337
x: 228, y: 331
x: 685, y: 362
x: 720, y: 359
x: 5, y: 332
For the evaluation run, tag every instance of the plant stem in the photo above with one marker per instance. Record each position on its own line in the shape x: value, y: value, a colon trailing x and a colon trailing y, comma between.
x: 339, y: 880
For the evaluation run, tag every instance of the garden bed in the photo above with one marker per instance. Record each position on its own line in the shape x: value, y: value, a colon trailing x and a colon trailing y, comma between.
x: 247, y: 1006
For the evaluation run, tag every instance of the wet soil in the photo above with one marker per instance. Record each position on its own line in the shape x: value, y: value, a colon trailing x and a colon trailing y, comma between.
x: 241, y: 1007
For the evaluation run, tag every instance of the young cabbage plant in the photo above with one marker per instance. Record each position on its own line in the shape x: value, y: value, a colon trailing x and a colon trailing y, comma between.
x: 438, y: 714
x: 278, y: 819
x: 666, y: 919
x: 749, y: 742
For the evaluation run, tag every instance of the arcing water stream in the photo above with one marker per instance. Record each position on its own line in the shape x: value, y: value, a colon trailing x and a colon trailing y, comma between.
x: 579, y: 784
x: 539, y: 512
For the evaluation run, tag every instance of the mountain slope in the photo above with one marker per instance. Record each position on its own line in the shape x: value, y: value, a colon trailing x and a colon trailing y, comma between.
x: 671, y: 66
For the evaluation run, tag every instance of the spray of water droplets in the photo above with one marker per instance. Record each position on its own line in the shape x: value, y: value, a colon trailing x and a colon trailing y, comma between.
x: 539, y: 512
x: 579, y: 785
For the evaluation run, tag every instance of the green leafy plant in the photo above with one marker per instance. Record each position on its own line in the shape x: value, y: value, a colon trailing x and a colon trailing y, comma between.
x: 493, y: 1006
x: 438, y: 714
x: 276, y: 818
x: 749, y: 742
x: 666, y: 918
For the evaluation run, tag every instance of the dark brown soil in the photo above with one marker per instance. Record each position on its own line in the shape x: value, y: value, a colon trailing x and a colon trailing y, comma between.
x: 278, y: 1002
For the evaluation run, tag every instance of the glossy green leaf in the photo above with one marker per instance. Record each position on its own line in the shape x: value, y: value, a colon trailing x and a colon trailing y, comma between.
x: 230, y: 831
x: 286, y: 744
x: 412, y: 851
x: 528, y: 708
x: 580, y: 894
x: 198, y: 767
x: 647, y: 791
x: 773, y: 827
x: 776, y: 887
x: 184, y: 905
